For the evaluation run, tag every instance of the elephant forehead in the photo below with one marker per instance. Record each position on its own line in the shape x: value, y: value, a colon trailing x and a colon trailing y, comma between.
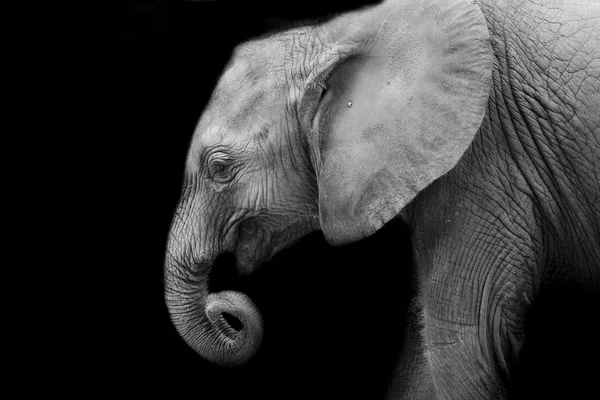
x: 243, y: 98
x: 252, y: 67
x: 249, y: 99
x: 240, y: 70
x: 238, y: 113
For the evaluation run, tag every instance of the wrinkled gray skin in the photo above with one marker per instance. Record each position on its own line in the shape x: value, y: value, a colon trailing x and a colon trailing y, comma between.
x: 477, y: 124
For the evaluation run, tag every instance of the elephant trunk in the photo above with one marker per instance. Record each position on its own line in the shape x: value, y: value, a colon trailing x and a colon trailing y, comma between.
x: 224, y: 327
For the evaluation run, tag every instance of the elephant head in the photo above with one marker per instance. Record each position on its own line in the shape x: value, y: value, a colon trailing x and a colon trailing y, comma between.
x: 334, y: 127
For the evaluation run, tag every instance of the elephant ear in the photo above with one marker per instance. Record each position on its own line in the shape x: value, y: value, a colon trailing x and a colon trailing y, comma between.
x: 403, y: 101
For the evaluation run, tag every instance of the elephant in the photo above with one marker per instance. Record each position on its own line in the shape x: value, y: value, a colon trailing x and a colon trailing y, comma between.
x: 476, y: 123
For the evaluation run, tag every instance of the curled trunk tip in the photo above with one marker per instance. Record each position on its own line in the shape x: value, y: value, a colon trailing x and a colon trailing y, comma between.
x: 226, y: 328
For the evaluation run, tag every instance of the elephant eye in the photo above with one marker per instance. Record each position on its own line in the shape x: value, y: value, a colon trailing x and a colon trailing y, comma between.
x: 219, y: 169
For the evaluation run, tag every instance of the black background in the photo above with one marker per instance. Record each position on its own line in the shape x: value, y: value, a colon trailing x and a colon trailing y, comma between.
x: 114, y: 90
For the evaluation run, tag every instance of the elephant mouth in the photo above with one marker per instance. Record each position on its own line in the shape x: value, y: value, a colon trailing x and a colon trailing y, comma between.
x: 250, y: 246
x: 260, y: 238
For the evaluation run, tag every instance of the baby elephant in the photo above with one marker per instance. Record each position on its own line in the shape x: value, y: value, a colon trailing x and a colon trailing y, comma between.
x: 475, y: 123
